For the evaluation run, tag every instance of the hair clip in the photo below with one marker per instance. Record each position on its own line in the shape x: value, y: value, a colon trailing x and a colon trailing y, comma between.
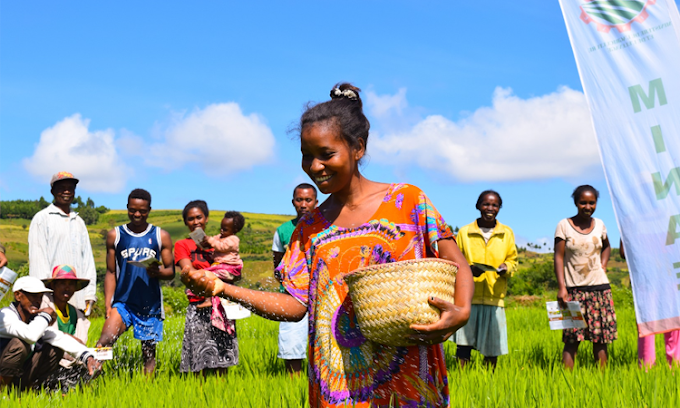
x: 347, y: 93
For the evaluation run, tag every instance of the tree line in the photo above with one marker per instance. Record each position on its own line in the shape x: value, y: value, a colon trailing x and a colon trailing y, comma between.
x: 26, y: 209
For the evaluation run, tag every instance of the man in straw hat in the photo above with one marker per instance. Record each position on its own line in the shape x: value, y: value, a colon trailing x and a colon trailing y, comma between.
x: 58, y: 235
x: 64, y: 283
x: 30, y: 349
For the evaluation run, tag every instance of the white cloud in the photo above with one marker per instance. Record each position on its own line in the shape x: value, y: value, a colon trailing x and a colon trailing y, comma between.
x: 382, y: 105
x: 130, y: 144
x: 514, y: 139
x: 219, y: 138
x: 90, y: 155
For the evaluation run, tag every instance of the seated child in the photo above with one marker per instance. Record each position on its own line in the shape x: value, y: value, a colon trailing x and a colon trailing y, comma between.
x: 64, y: 283
x: 226, y: 265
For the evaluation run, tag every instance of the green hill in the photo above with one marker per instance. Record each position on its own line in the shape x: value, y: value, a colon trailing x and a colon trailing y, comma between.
x: 531, y: 284
x: 256, y: 240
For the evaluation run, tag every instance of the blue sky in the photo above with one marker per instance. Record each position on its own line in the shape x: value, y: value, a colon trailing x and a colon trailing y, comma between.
x: 194, y: 101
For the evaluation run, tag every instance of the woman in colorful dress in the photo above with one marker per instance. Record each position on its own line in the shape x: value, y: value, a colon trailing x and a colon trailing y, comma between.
x: 581, y: 255
x: 204, y: 347
x: 489, y: 247
x: 362, y: 223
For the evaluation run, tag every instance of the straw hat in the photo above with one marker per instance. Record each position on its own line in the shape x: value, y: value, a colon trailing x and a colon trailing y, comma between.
x: 66, y: 272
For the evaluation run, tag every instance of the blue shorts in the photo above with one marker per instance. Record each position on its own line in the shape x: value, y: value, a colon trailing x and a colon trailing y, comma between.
x: 145, y: 327
x: 293, y: 339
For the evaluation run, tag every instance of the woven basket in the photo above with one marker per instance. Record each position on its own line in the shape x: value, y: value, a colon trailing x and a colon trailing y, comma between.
x: 389, y: 298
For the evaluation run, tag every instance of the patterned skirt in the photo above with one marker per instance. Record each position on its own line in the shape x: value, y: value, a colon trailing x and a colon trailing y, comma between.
x: 205, y: 346
x: 598, y: 311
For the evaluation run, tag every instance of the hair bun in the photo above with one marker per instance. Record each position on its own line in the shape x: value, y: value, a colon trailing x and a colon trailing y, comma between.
x: 345, y: 91
x: 344, y: 111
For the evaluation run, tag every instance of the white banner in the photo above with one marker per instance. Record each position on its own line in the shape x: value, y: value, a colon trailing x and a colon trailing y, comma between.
x: 628, y: 57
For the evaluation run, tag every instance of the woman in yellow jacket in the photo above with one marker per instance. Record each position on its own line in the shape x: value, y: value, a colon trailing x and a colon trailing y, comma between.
x: 489, y: 248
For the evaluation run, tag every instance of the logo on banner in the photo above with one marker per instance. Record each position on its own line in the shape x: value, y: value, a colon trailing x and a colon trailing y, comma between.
x: 618, y: 14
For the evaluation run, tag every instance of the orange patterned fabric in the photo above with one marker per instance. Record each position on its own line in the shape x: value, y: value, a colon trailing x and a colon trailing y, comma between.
x: 346, y: 369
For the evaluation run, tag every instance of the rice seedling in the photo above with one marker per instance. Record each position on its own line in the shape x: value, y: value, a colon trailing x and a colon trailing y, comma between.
x: 530, y: 376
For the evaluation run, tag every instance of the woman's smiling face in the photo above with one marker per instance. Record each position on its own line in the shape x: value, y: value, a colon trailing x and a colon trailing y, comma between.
x: 489, y: 208
x: 586, y: 204
x: 327, y: 158
x: 195, y: 219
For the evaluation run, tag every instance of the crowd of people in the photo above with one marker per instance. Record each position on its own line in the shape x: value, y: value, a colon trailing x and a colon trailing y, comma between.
x: 362, y: 222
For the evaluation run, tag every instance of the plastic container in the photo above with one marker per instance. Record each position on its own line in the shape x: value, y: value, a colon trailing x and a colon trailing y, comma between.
x: 7, y: 278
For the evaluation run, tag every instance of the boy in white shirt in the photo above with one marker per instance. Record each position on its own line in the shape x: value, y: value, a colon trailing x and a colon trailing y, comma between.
x: 25, y: 328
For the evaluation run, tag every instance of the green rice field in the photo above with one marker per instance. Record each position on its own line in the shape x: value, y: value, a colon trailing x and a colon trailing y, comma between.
x: 530, y: 376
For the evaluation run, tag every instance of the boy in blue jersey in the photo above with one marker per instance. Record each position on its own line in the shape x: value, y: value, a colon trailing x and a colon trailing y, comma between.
x: 132, y: 293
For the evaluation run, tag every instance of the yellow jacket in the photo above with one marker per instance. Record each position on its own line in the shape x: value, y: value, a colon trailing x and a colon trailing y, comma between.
x: 490, y: 287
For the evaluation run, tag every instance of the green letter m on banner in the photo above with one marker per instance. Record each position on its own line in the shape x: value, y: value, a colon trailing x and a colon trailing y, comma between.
x: 637, y: 94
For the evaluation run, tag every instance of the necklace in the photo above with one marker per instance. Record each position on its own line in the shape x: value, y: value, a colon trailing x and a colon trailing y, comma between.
x: 64, y: 318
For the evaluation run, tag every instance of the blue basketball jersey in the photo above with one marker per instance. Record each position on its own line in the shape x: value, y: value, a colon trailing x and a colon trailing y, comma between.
x: 141, y: 293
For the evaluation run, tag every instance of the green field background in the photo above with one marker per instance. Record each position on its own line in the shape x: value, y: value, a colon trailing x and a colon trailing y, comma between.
x: 530, y: 376
x: 256, y: 242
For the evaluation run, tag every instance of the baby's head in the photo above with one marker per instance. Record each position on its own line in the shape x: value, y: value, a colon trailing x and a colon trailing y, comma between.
x: 232, y: 223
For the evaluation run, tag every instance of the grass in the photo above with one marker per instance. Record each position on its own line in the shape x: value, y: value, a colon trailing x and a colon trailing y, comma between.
x: 530, y: 376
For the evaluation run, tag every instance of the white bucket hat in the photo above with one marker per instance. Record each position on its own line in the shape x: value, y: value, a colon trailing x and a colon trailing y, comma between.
x: 30, y: 284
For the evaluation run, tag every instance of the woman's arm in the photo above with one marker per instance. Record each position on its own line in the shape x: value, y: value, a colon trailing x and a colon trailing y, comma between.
x: 465, y: 286
x: 510, y: 263
x: 274, y: 306
x: 606, y: 251
x: 562, y: 294
x: 3, y: 258
x: 185, y: 263
x: 454, y: 315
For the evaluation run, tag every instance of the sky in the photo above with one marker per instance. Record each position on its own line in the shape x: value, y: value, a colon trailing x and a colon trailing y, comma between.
x: 200, y: 100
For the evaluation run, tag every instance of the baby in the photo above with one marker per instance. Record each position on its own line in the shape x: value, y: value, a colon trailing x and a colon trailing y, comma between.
x: 226, y: 265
